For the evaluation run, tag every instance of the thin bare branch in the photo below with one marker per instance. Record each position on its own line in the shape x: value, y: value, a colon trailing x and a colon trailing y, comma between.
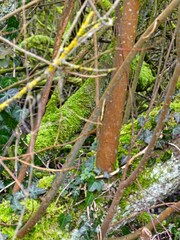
x: 164, y: 215
x: 19, y: 10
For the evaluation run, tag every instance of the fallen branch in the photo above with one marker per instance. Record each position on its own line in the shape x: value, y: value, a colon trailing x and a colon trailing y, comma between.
x: 164, y: 215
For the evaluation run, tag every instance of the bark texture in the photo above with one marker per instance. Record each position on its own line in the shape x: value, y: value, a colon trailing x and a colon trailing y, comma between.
x: 114, y: 107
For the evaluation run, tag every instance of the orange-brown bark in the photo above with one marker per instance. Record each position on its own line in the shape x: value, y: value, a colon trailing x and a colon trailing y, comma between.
x: 112, y: 120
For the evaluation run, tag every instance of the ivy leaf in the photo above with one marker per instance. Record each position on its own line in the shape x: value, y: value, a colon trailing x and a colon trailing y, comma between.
x: 35, y: 191
x: 123, y: 160
x: 87, y: 175
x: 160, y: 144
x: 15, y: 204
x: 89, y: 199
x: 12, y: 25
x: 75, y: 193
x: 20, y: 3
x: 94, y: 146
x: 19, y: 195
x: 64, y: 219
x: 106, y: 175
x: 177, y: 117
x: 4, y: 136
x: 78, y: 181
x: 7, y: 81
x: 3, y: 236
x: 90, y: 163
x: 141, y: 121
x: 97, y: 185
x: 158, y: 115
x: 1, y: 184
x: 176, y: 131
x: 8, y: 94
x: 97, y: 171
x: 16, y: 113
x: 4, y: 63
x: 9, y: 117
x: 4, y: 127
x: 146, y: 136
x: 12, y: 22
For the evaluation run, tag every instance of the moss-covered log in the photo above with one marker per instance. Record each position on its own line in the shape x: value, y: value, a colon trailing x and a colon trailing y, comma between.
x: 61, y: 123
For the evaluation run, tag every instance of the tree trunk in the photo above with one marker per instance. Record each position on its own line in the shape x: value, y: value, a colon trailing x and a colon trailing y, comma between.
x: 114, y: 107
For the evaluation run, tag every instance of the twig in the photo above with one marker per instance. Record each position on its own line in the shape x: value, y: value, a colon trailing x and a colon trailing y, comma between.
x: 164, y: 215
x: 25, y: 51
x: 19, y: 10
x: 46, y: 91
x: 130, y: 162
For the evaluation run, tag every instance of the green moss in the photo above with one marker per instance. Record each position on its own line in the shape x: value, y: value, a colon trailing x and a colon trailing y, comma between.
x: 39, y: 42
x: 6, y: 212
x: 77, y: 107
x: 67, y: 120
x: 125, y: 139
x: 175, y: 105
x: 49, y: 127
x: 46, y: 181
x: 105, y: 4
x: 46, y: 228
x: 144, y: 218
x: 178, y: 84
x: 146, y: 77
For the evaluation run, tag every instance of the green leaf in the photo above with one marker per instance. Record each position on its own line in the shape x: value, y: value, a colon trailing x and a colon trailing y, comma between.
x: 4, y: 136
x: 90, y: 163
x: 176, y: 131
x: 1, y: 184
x: 146, y: 77
x: 64, y: 219
x: 4, y: 236
x: 146, y: 136
x: 20, y: 3
x: 12, y: 114
x: 158, y: 115
x: 87, y: 175
x: 141, y: 121
x: 160, y: 144
x: 89, y: 199
x: 15, y: 204
x: 94, y: 146
x: 106, y: 175
x: 7, y: 81
x: 12, y: 22
x: 177, y: 117
x: 12, y: 25
x: 35, y: 191
x: 8, y: 94
x: 4, y: 63
x: 96, y: 186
